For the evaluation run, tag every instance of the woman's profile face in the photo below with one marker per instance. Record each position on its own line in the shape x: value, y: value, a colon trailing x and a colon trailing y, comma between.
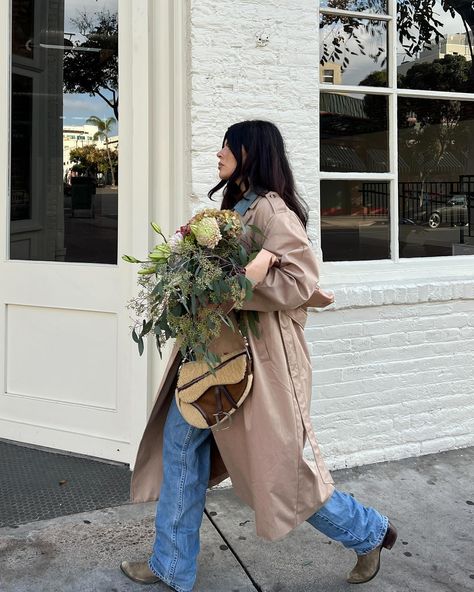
x: 227, y: 162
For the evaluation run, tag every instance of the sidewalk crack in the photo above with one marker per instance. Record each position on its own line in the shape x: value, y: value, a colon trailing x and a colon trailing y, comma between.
x: 234, y: 553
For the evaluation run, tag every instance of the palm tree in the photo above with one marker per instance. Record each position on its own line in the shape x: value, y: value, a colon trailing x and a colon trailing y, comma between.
x: 104, y: 127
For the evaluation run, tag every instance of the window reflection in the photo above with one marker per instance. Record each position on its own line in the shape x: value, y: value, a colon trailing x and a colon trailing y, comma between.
x: 436, y: 45
x: 21, y: 144
x: 355, y: 46
x: 376, y: 6
x: 436, y: 177
x: 64, y: 130
x: 353, y: 131
x: 355, y: 220
x: 23, y: 15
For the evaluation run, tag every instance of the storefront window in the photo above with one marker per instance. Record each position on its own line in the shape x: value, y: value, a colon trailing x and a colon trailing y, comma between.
x: 354, y: 220
x: 436, y: 178
x: 354, y: 132
x: 64, y: 130
x: 430, y: 167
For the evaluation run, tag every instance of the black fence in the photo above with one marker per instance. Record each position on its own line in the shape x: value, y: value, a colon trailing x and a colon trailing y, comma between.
x: 434, y: 203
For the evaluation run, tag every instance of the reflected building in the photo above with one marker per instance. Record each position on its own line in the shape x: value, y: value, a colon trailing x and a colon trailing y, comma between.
x: 78, y: 136
x: 451, y: 44
x: 330, y: 73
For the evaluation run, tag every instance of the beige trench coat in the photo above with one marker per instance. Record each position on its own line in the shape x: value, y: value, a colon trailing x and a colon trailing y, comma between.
x: 262, y: 451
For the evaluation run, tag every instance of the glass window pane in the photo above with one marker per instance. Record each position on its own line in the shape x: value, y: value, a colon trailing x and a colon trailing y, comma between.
x: 354, y: 133
x: 435, y: 48
x: 64, y: 130
x: 22, y: 114
x: 436, y: 177
x: 372, y: 6
x: 355, y: 48
x: 355, y: 220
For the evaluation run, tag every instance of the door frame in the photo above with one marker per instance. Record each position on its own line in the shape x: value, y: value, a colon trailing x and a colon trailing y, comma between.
x: 153, y: 180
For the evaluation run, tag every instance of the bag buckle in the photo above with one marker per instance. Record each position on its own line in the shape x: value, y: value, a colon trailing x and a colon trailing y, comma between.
x: 218, y: 425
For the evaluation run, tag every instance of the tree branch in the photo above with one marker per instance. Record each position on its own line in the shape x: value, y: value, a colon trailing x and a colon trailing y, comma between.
x: 102, y: 96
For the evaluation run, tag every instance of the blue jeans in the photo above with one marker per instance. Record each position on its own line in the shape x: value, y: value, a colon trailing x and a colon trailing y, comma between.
x: 179, y: 512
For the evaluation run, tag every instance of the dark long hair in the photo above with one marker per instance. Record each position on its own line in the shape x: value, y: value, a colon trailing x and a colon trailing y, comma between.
x: 265, y: 168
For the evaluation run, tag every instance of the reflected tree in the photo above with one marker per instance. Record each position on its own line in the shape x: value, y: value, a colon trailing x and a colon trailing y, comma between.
x: 92, y: 66
x: 450, y: 74
x: 430, y: 129
x: 418, y: 26
x: 92, y: 159
x: 104, y: 127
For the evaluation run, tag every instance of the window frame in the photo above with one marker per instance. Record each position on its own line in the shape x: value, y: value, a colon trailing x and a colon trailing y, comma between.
x: 395, y: 268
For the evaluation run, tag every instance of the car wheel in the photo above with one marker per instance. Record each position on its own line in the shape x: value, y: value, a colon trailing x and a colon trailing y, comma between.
x: 434, y: 220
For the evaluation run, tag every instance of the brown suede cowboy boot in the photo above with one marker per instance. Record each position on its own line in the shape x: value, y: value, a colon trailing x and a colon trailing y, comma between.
x: 138, y: 571
x: 367, y: 566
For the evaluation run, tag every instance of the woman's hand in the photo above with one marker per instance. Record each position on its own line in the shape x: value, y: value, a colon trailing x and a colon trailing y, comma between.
x: 258, y: 268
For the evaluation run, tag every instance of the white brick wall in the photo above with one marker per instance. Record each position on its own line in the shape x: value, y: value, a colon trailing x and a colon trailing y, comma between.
x: 393, y: 362
x: 393, y: 381
x: 232, y: 79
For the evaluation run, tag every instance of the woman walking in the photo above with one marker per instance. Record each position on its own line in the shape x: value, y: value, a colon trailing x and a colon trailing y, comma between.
x: 262, y: 451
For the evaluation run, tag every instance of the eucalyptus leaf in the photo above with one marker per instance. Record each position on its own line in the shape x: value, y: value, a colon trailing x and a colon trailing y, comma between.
x: 147, y: 327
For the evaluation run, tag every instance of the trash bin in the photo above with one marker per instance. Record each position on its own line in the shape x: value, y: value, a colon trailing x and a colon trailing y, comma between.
x: 83, y: 195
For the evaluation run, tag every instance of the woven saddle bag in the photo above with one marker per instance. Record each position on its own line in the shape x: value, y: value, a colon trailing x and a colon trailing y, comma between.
x: 209, y: 399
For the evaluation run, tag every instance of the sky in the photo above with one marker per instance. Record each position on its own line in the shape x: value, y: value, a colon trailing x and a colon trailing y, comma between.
x: 77, y: 108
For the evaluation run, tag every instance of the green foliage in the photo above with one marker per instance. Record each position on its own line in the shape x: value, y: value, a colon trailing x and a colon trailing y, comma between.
x: 104, y: 127
x: 450, y: 74
x: 189, y: 283
x: 92, y: 158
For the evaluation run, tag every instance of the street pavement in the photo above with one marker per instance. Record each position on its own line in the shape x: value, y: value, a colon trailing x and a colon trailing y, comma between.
x: 430, y: 499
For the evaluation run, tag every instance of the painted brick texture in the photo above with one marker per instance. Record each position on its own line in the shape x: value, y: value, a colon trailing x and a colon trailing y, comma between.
x: 393, y: 364
x: 392, y: 381
x: 233, y: 78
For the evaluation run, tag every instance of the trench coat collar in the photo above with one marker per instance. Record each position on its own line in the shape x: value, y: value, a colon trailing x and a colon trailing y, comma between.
x: 246, y: 202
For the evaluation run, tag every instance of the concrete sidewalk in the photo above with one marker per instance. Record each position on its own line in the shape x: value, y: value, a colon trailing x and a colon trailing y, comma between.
x: 430, y: 500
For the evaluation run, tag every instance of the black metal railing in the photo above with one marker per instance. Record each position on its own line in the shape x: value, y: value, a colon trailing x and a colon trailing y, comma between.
x: 433, y: 202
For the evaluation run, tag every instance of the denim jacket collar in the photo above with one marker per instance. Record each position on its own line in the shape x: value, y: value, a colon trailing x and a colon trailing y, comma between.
x: 246, y: 202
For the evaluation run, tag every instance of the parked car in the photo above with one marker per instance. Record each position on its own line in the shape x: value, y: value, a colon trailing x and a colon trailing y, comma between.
x: 454, y: 213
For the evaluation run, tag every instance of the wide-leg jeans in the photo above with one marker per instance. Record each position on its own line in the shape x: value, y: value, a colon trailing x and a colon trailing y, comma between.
x: 179, y: 512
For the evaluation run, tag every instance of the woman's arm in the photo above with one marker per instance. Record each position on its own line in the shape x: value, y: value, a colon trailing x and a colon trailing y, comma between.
x: 293, y: 278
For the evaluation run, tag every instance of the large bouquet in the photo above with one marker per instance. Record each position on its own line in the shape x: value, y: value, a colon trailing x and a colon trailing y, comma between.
x: 189, y: 283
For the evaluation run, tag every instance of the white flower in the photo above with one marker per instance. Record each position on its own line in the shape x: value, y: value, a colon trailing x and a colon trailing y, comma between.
x: 175, y: 241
